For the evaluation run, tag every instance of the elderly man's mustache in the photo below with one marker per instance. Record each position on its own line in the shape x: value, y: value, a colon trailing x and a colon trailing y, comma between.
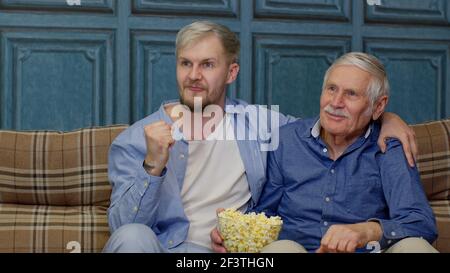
x: 337, y: 112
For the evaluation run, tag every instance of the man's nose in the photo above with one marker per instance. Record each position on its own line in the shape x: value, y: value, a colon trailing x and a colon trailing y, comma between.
x: 338, y: 99
x: 195, y: 73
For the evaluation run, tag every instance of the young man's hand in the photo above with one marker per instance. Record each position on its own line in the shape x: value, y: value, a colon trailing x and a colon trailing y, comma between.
x: 217, y: 241
x: 216, y: 238
x: 394, y: 127
x: 158, y: 137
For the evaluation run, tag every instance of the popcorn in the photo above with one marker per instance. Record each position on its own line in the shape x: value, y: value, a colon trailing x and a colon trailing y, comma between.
x: 247, y: 232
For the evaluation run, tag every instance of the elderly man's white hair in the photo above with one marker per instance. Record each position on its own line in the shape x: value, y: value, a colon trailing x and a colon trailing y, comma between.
x: 379, y: 84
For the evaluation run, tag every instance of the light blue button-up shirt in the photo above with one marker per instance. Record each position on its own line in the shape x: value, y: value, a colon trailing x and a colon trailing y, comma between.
x: 138, y: 197
x: 312, y: 192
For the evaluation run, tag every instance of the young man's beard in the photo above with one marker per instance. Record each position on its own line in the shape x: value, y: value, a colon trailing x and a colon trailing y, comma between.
x: 190, y: 104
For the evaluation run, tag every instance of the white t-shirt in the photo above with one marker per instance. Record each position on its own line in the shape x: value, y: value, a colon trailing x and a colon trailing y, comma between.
x: 215, y: 178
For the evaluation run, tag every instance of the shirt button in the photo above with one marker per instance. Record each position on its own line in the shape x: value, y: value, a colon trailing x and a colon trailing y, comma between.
x: 135, y: 209
x: 389, y: 242
x: 170, y: 242
x: 325, y: 223
x: 332, y: 170
x: 325, y: 150
x: 327, y: 199
x: 145, y: 184
x: 393, y: 233
x: 181, y: 156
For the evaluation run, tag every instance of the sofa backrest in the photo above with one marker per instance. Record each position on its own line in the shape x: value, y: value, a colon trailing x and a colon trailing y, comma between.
x: 433, y: 163
x: 56, y: 168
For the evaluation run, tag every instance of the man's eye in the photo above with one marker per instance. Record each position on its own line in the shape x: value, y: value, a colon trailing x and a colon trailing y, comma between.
x: 208, y: 65
x: 332, y: 88
x: 185, y: 63
x: 351, y: 93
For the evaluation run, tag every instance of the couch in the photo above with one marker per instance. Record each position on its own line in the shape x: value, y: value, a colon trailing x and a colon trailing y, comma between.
x: 54, y: 188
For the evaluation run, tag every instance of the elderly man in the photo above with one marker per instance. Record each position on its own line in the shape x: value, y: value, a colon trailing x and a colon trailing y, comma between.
x: 165, y: 190
x: 329, y: 181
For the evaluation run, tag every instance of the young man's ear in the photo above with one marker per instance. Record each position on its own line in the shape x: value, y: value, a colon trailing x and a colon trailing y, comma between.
x: 233, y: 72
x: 379, y: 107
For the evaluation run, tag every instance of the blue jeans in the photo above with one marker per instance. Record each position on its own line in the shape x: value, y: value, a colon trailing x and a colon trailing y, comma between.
x: 139, y: 238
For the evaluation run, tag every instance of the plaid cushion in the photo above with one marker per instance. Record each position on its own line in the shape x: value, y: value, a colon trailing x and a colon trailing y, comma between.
x: 28, y: 228
x: 434, y: 166
x: 54, y: 189
x: 442, y: 212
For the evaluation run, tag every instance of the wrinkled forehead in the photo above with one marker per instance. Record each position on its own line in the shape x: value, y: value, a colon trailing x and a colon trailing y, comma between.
x: 349, y: 76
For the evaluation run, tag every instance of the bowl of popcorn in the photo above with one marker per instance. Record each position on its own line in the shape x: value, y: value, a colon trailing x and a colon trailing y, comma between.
x: 247, y: 232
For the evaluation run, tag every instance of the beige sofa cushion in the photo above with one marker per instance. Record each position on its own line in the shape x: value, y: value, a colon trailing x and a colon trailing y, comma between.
x: 434, y: 166
x: 54, y: 189
x: 37, y: 228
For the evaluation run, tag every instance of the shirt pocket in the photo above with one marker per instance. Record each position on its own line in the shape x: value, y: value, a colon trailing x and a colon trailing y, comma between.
x: 363, y: 197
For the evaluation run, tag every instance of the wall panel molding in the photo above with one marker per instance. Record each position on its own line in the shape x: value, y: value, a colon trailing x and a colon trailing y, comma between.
x: 67, y: 76
x: 304, y: 9
x: 227, y: 8
x: 410, y: 12
x: 420, y: 70
x: 289, y: 70
x: 153, y: 55
x: 89, y: 6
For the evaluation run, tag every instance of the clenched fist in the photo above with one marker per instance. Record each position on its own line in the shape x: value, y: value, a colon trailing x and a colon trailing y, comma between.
x: 158, y: 137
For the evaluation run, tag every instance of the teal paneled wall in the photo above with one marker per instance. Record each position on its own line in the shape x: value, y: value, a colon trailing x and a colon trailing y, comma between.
x: 106, y: 61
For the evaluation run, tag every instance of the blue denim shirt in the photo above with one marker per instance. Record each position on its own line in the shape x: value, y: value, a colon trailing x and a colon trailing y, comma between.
x: 138, y: 197
x: 311, y: 192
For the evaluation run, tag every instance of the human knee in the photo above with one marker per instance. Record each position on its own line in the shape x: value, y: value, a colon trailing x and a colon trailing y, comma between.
x: 284, y: 246
x: 132, y: 238
x: 412, y: 245
x: 134, y: 232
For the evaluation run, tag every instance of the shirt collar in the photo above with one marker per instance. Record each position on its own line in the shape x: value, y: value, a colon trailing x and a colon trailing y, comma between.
x: 315, y: 130
x: 164, y: 116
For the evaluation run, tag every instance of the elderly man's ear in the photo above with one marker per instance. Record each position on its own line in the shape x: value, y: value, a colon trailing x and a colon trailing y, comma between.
x: 379, y: 107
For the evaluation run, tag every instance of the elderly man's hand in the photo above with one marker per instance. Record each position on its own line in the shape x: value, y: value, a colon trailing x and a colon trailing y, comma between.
x: 347, y: 238
x: 394, y: 127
